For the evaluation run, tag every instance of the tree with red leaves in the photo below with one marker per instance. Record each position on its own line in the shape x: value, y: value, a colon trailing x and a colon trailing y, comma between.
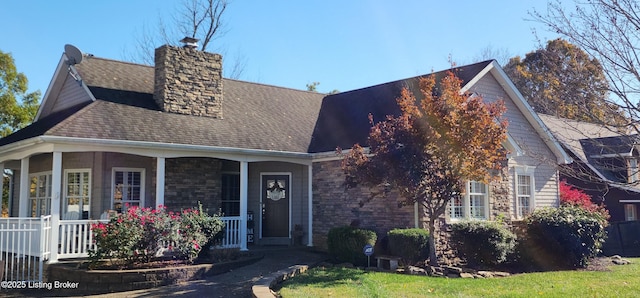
x: 429, y: 150
x: 570, y: 196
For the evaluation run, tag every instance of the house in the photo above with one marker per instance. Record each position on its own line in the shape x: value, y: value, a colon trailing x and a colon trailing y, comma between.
x: 112, y: 134
x: 606, y: 164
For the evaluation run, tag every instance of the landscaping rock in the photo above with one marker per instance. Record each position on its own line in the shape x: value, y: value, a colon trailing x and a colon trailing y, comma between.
x: 412, y: 270
x: 452, y: 269
x: 618, y: 260
x: 430, y: 269
x: 466, y: 275
x: 485, y: 273
x: 500, y: 274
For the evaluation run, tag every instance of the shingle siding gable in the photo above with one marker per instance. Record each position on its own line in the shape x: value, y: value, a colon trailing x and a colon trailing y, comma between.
x: 537, y: 153
x: 71, y: 94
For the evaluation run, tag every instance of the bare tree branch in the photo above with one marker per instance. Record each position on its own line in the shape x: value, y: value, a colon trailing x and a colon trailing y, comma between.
x: 202, y: 19
x: 609, y: 31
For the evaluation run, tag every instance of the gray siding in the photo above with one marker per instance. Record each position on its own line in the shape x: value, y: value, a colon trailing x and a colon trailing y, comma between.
x: 70, y: 95
x: 537, y: 153
x: 118, y: 160
x: 298, y: 189
x: 15, y: 194
x: 75, y: 160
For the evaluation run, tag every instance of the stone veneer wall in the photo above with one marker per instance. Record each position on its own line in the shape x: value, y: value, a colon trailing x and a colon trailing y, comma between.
x: 335, y: 206
x: 192, y: 180
x: 499, y: 208
x: 188, y: 81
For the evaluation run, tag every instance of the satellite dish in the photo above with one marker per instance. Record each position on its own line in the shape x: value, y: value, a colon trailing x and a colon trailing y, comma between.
x: 73, y: 54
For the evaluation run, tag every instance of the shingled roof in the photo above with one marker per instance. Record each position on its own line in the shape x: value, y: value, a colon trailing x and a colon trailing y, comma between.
x: 344, y: 117
x: 257, y: 116
x: 601, y: 148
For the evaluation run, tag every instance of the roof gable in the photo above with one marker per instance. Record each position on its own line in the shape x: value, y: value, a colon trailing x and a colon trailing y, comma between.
x: 344, y: 117
x: 344, y: 121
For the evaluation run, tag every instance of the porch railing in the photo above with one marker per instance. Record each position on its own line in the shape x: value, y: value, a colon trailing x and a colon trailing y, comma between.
x: 24, y: 246
x: 76, y: 238
x: 25, y: 242
x: 231, y: 237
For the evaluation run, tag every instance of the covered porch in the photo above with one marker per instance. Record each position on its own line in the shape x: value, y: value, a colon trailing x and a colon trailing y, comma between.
x: 60, y: 188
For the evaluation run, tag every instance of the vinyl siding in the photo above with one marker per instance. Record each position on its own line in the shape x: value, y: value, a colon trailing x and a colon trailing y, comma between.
x: 70, y: 95
x: 111, y: 160
x: 536, y: 153
x: 299, y: 192
x: 73, y: 160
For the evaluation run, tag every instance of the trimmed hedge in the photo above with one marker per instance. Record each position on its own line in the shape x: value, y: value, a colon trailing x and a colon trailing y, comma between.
x: 412, y: 245
x: 572, y: 234
x: 482, y: 242
x: 346, y: 244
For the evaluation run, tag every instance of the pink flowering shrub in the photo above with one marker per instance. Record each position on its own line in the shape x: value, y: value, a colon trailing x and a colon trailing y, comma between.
x: 141, y: 234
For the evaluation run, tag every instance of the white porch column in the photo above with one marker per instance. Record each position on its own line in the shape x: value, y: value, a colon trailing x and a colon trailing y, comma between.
x: 56, y: 191
x: 310, y: 202
x: 23, y: 199
x: 244, y: 194
x: 159, y: 181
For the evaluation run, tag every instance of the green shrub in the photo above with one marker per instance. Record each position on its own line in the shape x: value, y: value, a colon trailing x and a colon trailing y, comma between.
x: 346, y: 244
x: 570, y: 234
x: 412, y: 245
x: 482, y: 242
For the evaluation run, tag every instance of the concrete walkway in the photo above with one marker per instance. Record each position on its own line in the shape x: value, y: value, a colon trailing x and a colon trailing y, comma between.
x: 236, y: 283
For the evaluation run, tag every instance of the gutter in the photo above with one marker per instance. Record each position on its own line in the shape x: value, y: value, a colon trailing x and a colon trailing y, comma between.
x: 173, y: 146
x: 22, y: 144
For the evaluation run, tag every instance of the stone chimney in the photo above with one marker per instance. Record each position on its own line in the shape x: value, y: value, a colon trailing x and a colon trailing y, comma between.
x: 188, y: 81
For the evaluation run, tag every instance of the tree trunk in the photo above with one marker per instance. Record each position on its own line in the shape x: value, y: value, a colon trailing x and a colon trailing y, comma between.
x: 433, y: 258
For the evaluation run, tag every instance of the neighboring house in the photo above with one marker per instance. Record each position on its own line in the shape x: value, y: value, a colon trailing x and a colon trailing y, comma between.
x: 112, y: 134
x: 606, y: 164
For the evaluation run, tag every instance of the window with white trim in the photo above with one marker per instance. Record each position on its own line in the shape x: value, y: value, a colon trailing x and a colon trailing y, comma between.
x: 472, y: 204
x: 40, y: 193
x: 127, y: 189
x: 457, y: 207
x: 230, y: 204
x: 524, y: 193
x: 77, y: 194
x: 630, y: 212
x: 477, y: 199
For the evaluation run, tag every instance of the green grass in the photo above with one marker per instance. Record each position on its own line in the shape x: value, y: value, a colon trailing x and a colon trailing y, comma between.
x: 621, y: 281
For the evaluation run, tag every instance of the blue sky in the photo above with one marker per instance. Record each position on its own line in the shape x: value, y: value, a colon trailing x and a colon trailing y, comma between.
x: 344, y: 45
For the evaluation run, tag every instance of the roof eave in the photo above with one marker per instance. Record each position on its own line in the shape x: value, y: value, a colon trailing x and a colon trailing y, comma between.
x: 19, y: 146
x: 174, y: 146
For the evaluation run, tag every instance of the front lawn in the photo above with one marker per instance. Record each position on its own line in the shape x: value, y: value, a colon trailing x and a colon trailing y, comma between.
x: 621, y: 281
